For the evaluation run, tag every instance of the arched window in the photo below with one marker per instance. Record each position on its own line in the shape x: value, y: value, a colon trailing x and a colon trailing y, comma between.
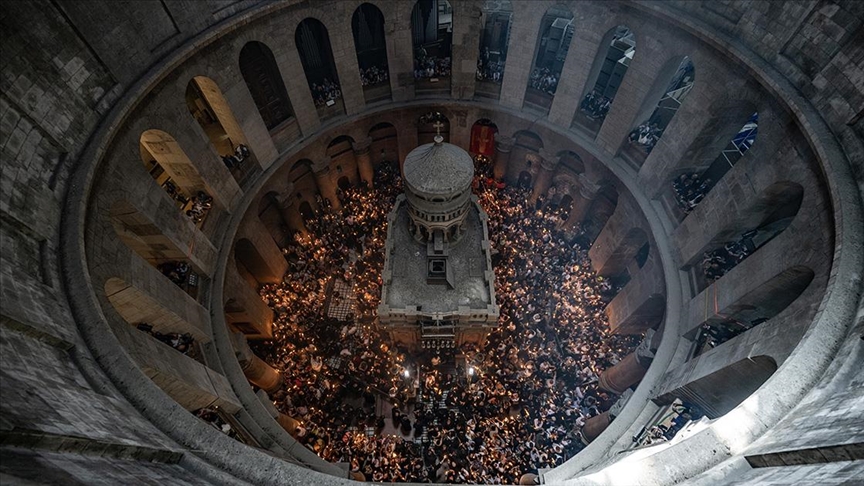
x: 691, y: 186
x: 432, y: 38
x: 262, y: 76
x: 169, y: 166
x: 367, y: 25
x: 553, y: 43
x: 385, y: 143
x: 494, y: 42
x: 140, y: 234
x: 662, y: 103
x: 431, y: 124
x: 773, y: 212
x: 607, y: 73
x: 316, y: 55
x: 208, y: 106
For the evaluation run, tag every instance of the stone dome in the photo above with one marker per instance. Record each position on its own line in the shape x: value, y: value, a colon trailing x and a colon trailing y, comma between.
x: 438, y: 169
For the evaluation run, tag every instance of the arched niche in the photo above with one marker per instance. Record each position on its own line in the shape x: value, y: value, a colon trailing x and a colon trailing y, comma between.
x: 136, y: 307
x: 483, y: 138
x: 496, y: 18
x: 385, y: 144
x: 269, y: 211
x: 432, y: 39
x: 431, y: 124
x: 692, y: 184
x: 171, y: 168
x: 370, y: 43
x: 208, y: 106
x: 264, y: 80
x: 719, y: 392
x: 765, y: 219
x: 571, y: 160
x: 607, y: 73
x: 342, y: 159
x: 251, y: 264
x: 316, y: 55
x: 665, y: 97
x: 756, y: 308
x: 550, y: 53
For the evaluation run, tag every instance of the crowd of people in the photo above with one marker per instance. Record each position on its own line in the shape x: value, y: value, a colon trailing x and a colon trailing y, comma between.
x: 646, y: 135
x: 513, y: 406
x: 325, y: 92
x: 431, y: 66
x: 595, y: 106
x: 176, y: 271
x: 690, y: 190
x: 542, y: 79
x: 374, y: 75
x: 235, y: 160
x: 716, y: 263
x: 201, y: 205
x: 487, y: 69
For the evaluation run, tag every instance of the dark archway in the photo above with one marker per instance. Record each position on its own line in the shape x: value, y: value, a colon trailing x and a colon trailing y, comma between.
x: 494, y: 43
x: 370, y: 43
x: 316, y: 55
x: 432, y: 38
x: 553, y: 43
x: 430, y: 125
x: 616, y: 51
x: 385, y: 143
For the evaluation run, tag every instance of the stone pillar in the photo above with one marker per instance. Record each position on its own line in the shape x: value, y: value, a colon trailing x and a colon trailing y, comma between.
x: 291, y: 215
x: 543, y: 180
x: 466, y: 47
x: 503, y: 146
x: 629, y: 370
x: 288, y: 423
x: 363, y: 155
x: 582, y: 198
x: 325, y: 183
x: 595, y: 426
x: 256, y: 370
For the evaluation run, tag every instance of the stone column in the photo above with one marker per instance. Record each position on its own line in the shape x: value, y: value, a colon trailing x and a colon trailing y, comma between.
x: 325, y: 183
x: 256, y: 370
x: 291, y: 215
x: 543, y: 180
x: 629, y: 370
x: 595, y: 426
x: 503, y: 146
x: 582, y: 198
x: 288, y: 423
x: 363, y: 155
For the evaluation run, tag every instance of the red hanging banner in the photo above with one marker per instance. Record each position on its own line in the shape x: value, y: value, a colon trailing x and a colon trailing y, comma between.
x: 483, y: 140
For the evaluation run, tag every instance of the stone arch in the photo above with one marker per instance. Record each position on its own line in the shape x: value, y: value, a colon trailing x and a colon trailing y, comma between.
x: 428, y: 126
x: 607, y: 72
x: 768, y: 300
x: 385, y: 143
x: 496, y: 18
x: 208, y: 106
x: 764, y: 220
x: 729, y: 134
x: 432, y: 39
x: 553, y: 43
x: 171, y: 168
x: 571, y: 160
x: 141, y: 235
x: 370, y: 44
x: 135, y: 306
x: 269, y: 211
x: 648, y: 314
x: 264, y: 80
x: 624, y: 253
x: 250, y: 262
x: 660, y: 105
x: 721, y: 391
x: 316, y: 56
